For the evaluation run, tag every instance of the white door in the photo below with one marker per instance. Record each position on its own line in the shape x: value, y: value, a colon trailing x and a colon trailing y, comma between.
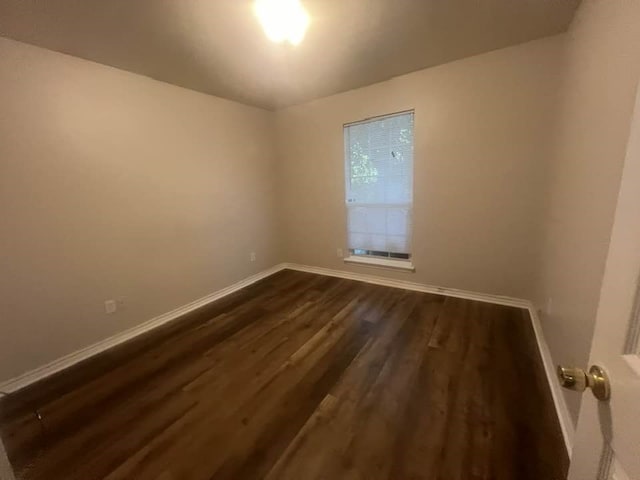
x: 608, y: 435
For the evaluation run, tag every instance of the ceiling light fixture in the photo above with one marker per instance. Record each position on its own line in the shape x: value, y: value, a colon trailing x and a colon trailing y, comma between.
x: 283, y: 20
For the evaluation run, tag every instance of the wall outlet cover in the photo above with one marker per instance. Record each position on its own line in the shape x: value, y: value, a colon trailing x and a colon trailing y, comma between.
x: 110, y: 306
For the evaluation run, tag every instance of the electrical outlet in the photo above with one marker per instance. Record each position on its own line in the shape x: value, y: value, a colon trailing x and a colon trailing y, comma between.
x: 252, y: 256
x: 110, y: 306
x: 549, y: 306
x: 340, y: 253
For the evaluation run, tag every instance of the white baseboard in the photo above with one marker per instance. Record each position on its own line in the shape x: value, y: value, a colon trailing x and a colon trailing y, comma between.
x: 67, y: 361
x: 566, y: 422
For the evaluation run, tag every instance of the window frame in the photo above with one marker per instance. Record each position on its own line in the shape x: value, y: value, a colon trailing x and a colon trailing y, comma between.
x: 384, y: 261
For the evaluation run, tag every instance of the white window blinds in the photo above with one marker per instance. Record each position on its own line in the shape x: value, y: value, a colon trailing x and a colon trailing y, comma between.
x: 379, y: 183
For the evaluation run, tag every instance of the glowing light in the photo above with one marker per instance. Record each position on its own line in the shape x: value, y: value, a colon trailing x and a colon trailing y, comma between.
x: 283, y: 20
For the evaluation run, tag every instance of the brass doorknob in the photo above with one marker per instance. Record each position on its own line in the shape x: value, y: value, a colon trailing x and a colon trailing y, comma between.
x: 578, y: 380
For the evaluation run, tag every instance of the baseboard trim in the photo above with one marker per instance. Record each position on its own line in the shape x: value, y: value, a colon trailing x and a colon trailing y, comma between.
x: 67, y: 361
x: 78, y: 356
x: 566, y: 422
x: 417, y: 287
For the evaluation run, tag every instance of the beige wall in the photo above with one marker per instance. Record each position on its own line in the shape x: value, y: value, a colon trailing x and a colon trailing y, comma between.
x: 481, y: 129
x: 602, y: 70
x: 115, y: 185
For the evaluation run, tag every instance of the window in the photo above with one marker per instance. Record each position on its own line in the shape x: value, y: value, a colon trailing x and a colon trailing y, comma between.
x: 379, y: 189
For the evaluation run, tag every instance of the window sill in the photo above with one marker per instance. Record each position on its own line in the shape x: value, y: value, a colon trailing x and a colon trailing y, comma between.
x: 381, y: 262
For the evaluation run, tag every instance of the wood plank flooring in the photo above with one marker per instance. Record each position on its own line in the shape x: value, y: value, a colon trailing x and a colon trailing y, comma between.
x: 302, y: 376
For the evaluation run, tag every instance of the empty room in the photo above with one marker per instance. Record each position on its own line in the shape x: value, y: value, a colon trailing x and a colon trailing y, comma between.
x: 319, y: 239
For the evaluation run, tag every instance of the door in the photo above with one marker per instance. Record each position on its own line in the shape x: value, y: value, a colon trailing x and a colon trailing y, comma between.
x: 608, y: 435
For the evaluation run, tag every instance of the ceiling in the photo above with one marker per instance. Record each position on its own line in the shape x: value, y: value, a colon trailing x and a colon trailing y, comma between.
x: 218, y: 47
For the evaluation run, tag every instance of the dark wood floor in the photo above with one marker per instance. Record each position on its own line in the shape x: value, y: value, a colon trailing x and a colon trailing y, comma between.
x: 298, y: 377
